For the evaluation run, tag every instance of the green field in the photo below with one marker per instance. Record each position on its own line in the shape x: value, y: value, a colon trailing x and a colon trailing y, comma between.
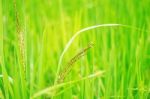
x: 74, y: 49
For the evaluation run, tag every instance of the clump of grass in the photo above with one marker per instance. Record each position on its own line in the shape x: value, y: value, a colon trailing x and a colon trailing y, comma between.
x: 69, y: 66
x: 118, y: 50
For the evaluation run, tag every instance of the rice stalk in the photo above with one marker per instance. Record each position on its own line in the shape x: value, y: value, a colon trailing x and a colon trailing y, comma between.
x: 69, y: 66
x: 78, y: 33
x: 21, y: 44
x: 72, y: 39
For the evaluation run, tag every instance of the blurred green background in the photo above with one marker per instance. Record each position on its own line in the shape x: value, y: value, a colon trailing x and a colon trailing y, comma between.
x: 46, y: 27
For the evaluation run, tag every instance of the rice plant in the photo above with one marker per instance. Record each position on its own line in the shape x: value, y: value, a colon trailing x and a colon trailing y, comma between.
x: 45, y: 51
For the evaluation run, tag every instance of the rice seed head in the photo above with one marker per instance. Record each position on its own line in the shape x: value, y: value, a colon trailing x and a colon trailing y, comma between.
x: 20, y: 34
x: 69, y: 66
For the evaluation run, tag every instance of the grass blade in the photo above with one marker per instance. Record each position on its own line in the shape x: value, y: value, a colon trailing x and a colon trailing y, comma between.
x: 53, y: 88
